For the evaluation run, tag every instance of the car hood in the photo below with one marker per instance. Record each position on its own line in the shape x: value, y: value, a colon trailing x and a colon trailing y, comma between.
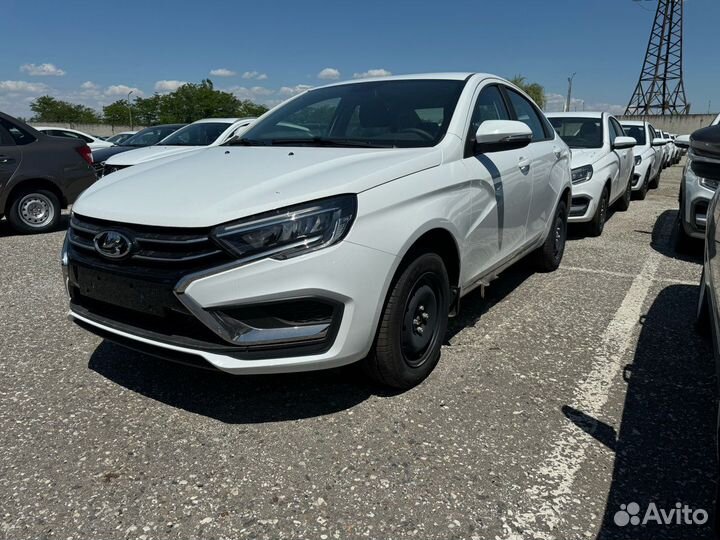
x: 219, y: 184
x: 585, y: 156
x: 141, y: 155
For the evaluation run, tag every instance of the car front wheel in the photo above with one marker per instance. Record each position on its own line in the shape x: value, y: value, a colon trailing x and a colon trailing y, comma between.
x: 597, y: 225
x: 623, y: 203
x: 412, y: 326
x: 550, y: 254
x: 34, y: 211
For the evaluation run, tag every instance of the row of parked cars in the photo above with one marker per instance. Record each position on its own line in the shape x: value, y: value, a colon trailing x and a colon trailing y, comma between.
x: 345, y: 225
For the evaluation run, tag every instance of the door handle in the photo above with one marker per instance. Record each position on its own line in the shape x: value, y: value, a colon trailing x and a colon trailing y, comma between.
x: 524, y: 165
x: 6, y: 159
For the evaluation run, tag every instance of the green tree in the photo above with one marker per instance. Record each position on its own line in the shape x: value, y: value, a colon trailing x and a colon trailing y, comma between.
x: 117, y: 113
x: 146, y: 111
x: 534, y: 90
x: 49, y: 109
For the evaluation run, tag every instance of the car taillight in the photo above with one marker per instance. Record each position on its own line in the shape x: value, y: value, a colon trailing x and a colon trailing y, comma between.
x: 86, y: 153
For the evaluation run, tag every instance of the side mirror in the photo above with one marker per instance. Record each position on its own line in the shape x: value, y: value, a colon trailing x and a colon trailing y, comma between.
x: 622, y: 143
x: 498, y: 135
x: 682, y: 141
x: 657, y: 141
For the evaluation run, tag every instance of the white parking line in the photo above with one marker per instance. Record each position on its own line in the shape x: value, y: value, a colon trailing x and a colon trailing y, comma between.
x: 627, y: 275
x: 551, y: 494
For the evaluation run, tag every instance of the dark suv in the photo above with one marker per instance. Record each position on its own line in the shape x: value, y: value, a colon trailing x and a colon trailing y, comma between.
x: 39, y: 175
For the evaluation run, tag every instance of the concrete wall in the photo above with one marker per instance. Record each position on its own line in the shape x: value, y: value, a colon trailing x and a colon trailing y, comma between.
x: 680, y: 124
x: 99, y: 130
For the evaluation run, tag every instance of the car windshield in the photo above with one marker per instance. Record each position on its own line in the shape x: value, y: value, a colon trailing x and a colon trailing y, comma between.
x: 396, y: 113
x: 637, y: 133
x: 579, y: 132
x: 201, y: 134
x: 149, y: 136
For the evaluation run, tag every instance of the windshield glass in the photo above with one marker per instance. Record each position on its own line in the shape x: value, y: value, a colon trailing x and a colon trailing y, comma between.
x: 197, y: 134
x: 402, y: 113
x: 579, y: 132
x: 637, y: 133
x: 150, y: 136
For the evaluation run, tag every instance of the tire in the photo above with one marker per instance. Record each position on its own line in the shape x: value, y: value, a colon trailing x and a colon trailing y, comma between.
x: 597, y: 225
x: 412, y: 326
x: 655, y: 182
x: 642, y: 192
x: 623, y: 203
x: 34, y: 211
x: 702, y: 320
x: 549, y: 256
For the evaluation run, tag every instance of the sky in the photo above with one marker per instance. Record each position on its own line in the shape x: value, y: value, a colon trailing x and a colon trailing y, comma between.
x: 96, y: 52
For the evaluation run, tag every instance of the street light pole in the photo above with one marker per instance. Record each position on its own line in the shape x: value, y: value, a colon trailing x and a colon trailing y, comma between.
x: 569, y: 95
x: 130, y: 110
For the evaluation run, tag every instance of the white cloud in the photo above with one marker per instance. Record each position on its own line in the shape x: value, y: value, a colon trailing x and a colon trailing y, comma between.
x: 372, y: 73
x: 329, y: 74
x: 42, y: 70
x: 222, y: 72
x: 23, y: 86
x: 254, y: 75
x: 168, y: 86
x: 255, y: 93
x: 289, y: 91
x: 89, y: 85
x: 122, y: 90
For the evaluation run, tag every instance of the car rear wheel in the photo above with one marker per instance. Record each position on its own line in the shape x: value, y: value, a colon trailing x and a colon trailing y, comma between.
x: 412, y: 326
x: 549, y: 256
x: 34, y: 211
x: 597, y: 225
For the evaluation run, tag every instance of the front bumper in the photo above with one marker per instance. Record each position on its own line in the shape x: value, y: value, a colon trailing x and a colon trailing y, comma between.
x: 585, y: 198
x: 696, y: 203
x: 639, y: 175
x: 350, y: 278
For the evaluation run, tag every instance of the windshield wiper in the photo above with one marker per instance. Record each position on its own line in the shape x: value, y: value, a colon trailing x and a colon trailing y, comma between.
x: 330, y: 141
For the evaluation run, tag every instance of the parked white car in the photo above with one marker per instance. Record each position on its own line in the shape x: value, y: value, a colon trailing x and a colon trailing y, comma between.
x: 207, y: 132
x: 648, y: 155
x: 602, y: 165
x: 345, y: 225
x: 696, y: 192
x: 93, y: 142
x: 674, y: 151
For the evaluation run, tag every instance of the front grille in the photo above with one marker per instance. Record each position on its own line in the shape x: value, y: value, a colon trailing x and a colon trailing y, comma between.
x: 178, y: 251
x: 107, y: 169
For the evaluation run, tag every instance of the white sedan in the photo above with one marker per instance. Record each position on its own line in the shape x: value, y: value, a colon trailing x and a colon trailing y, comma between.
x: 344, y: 225
x: 602, y: 165
x: 207, y: 132
x: 648, y: 156
x: 93, y: 142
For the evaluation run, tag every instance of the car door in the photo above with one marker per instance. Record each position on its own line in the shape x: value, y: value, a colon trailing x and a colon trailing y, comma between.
x: 544, y: 153
x: 501, y: 184
x: 627, y: 159
x: 10, y: 157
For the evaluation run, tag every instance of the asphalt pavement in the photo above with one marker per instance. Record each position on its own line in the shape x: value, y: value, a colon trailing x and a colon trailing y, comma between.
x: 559, y: 400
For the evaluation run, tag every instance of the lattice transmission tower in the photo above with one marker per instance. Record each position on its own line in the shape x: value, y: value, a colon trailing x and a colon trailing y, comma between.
x: 661, y: 89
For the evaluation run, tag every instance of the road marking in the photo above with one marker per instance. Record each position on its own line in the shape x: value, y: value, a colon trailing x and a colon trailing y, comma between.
x: 551, y: 495
x: 627, y: 275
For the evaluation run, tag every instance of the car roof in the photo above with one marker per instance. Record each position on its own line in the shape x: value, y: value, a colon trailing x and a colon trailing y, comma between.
x: 449, y: 76
x: 632, y: 122
x: 217, y: 120
x: 578, y: 114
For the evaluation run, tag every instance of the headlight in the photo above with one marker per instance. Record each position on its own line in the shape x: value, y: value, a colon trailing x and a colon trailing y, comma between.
x: 709, y: 183
x: 638, y: 160
x: 291, y: 231
x: 582, y: 174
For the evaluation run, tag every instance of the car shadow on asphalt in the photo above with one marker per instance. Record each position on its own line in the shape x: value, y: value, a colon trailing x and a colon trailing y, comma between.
x: 62, y: 225
x: 665, y: 446
x: 246, y: 399
x: 666, y: 239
